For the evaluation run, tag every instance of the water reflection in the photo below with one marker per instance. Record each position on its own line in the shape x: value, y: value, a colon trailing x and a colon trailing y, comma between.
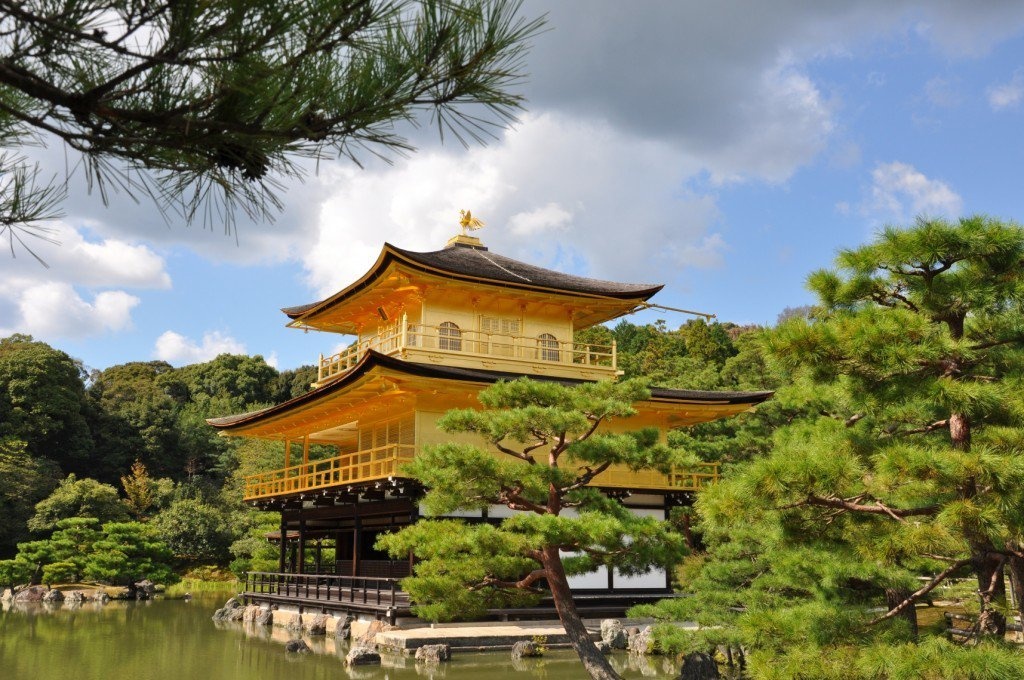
x: 177, y: 640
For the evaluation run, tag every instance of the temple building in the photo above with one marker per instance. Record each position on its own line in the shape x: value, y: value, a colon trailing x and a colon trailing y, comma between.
x: 431, y: 330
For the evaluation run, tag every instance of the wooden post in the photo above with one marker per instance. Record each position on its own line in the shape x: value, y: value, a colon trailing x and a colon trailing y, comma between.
x: 357, y: 534
x: 615, y: 358
x: 283, y: 546
x: 405, y: 332
x: 302, y: 546
x: 305, y: 483
x: 287, y: 452
x: 319, y: 555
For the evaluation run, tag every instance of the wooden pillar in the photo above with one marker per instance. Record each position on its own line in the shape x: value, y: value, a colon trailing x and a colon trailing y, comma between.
x: 319, y: 554
x: 287, y: 452
x: 357, y: 534
x: 302, y: 546
x: 305, y: 450
x: 284, y: 545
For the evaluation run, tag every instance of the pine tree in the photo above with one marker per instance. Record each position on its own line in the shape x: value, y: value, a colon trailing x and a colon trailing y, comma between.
x: 911, y: 462
x: 207, y: 105
x: 138, y: 490
x: 549, y: 447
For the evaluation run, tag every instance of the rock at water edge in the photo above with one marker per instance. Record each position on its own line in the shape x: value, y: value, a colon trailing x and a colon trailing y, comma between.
x: 144, y: 590
x: 53, y: 596
x: 699, y: 666
x: 362, y: 656
x: 318, y: 625
x: 296, y: 646
x: 525, y: 648
x: 641, y: 643
x: 369, y: 638
x: 344, y: 629
x: 434, y: 653
x: 603, y: 647
x: 31, y: 594
x: 613, y: 633
x: 265, y: 617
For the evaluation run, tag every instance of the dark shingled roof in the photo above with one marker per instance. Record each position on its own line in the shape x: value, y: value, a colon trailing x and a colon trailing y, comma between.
x: 465, y: 261
x: 480, y: 262
x: 373, y: 359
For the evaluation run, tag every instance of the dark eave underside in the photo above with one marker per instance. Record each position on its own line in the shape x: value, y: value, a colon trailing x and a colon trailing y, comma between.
x: 374, y: 359
x: 468, y: 263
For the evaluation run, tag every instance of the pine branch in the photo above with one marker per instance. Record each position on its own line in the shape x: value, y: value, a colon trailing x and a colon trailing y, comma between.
x: 586, y: 477
x: 525, y: 583
x: 924, y: 590
x: 852, y: 506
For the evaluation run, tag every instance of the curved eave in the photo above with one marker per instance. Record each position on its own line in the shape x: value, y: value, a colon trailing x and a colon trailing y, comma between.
x: 390, y: 253
x: 373, y: 360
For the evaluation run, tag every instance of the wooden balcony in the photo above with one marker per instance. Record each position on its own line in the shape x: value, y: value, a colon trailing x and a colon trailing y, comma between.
x: 458, y: 347
x: 349, y: 468
x: 383, y: 462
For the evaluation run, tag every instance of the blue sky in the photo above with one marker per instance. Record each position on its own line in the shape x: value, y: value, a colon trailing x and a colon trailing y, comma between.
x: 722, y: 149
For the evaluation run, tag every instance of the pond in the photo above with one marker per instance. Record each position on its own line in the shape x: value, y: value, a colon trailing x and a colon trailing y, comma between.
x: 177, y: 640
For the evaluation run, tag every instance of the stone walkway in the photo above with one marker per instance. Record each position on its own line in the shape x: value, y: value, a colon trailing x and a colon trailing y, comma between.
x: 486, y: 636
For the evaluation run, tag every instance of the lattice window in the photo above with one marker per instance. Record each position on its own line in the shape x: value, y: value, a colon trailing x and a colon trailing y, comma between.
x: 547, y: 347
x: 449, y: 337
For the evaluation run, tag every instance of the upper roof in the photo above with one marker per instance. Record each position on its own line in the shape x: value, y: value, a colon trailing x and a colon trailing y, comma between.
x: 476, y: 263
x: 373, y: 360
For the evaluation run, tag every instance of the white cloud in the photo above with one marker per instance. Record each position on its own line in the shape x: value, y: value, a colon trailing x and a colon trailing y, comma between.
x: 561, y: 192
x: 81, y: 293
x: 546, y: 219
x: 272, y: 360
x: 56, y: 310
x: 1008, y: 95
x: 175, y: 348
x: 899, y: 191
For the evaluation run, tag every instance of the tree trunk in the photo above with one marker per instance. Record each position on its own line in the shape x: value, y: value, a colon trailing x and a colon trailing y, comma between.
x: 960, y: 432
x: 1015, y: 568
x: 992, y: 593
x: 594, y: 661
x: 893, y: 598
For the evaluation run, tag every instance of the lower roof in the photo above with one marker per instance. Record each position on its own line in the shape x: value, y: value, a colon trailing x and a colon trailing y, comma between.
x: 373, y: 359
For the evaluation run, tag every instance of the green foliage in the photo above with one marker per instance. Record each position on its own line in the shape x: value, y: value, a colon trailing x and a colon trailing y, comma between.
x: 61, y: 572
x: 901, y: 456
x: 139, y: 490
x: 78, y: 498
x: 194, y: 531
x: 252, y: 551
x: 27, y: 480
x: 13, y: 572
x: 135, y: 418
x: 128, y: 552
x: 42, y: 402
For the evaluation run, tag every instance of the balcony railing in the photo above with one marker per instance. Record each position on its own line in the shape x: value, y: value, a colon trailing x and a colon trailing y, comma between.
x: 349, y: 468
x: 384, y: 461
x: 679, y: 479
x: 401, y: 335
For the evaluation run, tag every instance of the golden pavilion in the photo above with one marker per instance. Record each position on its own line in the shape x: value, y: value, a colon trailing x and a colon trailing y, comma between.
x: 431, y: 330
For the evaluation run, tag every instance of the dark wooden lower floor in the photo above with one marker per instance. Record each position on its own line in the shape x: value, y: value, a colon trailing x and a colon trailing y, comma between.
x: 384, y: 599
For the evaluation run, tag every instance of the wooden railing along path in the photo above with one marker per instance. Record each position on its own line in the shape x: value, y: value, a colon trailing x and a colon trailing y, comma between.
x: 327, y: 589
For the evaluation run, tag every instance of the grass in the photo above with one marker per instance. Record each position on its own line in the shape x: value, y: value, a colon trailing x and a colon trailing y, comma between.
x: 197, y: 585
